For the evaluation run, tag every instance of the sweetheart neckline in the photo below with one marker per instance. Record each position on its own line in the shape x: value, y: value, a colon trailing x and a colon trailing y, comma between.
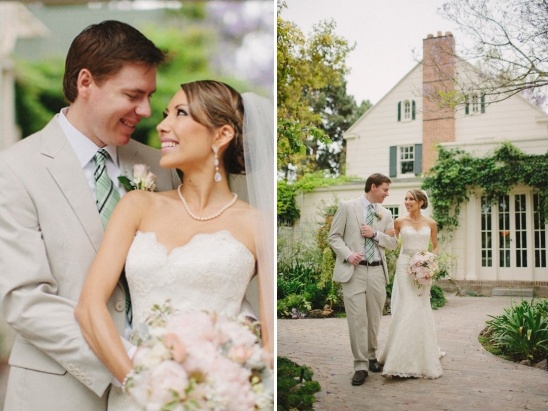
x: 170, y: 252
x: 414, y: 229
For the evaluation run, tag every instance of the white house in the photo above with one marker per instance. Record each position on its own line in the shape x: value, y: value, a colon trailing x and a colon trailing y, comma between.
x: 398, y: 136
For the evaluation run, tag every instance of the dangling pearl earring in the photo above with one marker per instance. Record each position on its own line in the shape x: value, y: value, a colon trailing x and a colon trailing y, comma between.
x: 218, y: 176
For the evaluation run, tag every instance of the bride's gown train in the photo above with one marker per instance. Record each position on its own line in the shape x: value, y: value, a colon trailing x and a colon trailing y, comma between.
x: 411, y: 348
x: 211, y: 272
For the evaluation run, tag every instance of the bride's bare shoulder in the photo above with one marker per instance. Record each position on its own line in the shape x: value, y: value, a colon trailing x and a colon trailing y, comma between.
x: 398, y: 221
x: 148, y: 202
x: 431, y: 222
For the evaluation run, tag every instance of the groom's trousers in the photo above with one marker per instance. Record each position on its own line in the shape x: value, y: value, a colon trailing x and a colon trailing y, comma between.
x: 364, y: 295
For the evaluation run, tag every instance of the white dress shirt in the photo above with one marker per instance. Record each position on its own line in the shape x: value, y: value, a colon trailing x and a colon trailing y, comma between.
x: 85, y: 150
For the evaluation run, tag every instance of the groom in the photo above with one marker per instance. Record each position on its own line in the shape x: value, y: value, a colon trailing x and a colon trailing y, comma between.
x: 357, y: 237
x: 50, y: 225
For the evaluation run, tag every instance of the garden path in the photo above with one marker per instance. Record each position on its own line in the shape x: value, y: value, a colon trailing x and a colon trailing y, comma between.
x: 473, y: 379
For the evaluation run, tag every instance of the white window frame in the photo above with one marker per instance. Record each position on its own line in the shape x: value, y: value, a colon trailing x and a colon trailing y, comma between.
x: 475, y: 104
x: 406, y: 153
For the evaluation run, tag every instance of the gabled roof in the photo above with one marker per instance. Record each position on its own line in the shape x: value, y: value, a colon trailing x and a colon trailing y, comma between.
x: 348, y: 133
x: 364, y: 115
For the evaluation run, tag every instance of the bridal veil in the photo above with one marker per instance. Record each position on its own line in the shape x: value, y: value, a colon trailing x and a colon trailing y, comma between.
x: 258, y: 133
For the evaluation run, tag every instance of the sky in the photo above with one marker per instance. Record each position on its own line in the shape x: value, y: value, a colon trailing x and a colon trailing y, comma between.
x: 388, y: 36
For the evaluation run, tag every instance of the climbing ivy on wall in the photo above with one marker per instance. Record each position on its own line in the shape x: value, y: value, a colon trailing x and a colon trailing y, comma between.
x: 456, y: 173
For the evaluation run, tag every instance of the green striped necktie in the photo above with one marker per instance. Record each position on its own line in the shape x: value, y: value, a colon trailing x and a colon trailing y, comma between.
x: 105, y: 191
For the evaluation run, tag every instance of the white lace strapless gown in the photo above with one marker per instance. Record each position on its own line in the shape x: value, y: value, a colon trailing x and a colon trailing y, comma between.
x: 411, y: 348
x: 211, y: 272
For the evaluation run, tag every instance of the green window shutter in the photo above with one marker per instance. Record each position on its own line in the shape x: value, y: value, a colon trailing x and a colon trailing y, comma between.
x: 399, y: 110
x: 413, y: 110
x: 418, y: 159
x: 393, y: 168
x: 483, y: 103
x: 466, y: 105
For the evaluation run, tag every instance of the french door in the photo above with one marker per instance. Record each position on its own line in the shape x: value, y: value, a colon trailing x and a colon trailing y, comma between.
x: 513, y: 236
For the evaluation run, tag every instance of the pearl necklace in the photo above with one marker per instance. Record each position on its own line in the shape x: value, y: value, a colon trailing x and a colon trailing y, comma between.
x: 210, y: 217
x: 413, y: 221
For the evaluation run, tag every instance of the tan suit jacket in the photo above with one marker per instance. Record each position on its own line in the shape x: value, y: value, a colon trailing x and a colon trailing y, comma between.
x: 345, y: 236
x: 50, y: 232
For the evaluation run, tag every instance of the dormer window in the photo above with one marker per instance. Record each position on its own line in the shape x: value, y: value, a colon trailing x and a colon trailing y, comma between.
x: 406, y: 110
x: 475, y: 104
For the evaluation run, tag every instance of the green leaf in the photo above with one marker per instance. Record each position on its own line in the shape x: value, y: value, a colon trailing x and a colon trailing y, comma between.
x: 126, y: 182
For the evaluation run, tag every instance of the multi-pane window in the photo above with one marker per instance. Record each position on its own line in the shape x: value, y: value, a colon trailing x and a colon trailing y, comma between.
x: 520, y: 219
x: 407, y: 159
x: 407, y: 110
x: 505, y: 228
x: 539, y: 233
x: 486, y: 234
x: 395, y: 210
x: 475, y: 104
x: 504, y: 231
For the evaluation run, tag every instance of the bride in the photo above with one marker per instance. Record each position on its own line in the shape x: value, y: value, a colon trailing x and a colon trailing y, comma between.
x: 411, y: 348
x: 199, y: 245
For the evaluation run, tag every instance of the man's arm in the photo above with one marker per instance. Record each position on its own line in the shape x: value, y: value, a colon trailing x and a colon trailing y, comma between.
x: 336, y: 233
x: 35, y: 303
x: 389, y: 242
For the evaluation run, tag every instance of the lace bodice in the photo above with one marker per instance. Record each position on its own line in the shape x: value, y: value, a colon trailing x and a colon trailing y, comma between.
x: 211, y: 272
x: 414, y: 240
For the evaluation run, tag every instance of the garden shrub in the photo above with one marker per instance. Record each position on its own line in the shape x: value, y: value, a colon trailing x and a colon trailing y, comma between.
x: 521, y: 332
x: 295, y: 387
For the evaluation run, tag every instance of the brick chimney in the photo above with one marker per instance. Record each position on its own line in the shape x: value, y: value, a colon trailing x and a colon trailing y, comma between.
x: 438, y: 76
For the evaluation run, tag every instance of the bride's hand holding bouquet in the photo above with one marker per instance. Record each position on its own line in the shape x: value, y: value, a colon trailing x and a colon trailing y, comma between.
x: 199, y: 360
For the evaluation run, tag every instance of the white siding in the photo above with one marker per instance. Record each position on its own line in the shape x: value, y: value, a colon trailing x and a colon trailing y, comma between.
x: 514, y: 119
x: 484, y: 148
x: 369, y: 139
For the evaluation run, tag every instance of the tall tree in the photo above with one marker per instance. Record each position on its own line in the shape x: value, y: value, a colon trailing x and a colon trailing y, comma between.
x: 510, y: 45
x: 305, y: 66
x: 339, y: 111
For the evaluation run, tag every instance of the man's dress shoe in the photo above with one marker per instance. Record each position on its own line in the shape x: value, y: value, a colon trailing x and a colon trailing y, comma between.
x: 359, y: 377
x: 375, y: 366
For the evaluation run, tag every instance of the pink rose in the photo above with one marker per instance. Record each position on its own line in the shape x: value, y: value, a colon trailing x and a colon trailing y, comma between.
x: 178, y: 350
x: 167, y: 381
x: 240, y: 354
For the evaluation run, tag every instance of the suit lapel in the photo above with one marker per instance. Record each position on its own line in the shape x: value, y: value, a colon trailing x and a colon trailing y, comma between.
x: 358, y: 210
x: 67, y: 173
x: 127, y: 158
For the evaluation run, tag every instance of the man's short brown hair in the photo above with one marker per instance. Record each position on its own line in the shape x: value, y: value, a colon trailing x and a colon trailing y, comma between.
x: 377, y: 179
x: 103, y: 49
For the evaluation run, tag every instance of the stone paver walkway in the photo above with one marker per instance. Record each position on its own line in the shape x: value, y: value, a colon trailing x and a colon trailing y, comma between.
x: 473, y: 379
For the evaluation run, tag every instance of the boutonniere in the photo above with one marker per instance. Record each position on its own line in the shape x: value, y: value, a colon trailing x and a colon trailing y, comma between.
x: 143, y: 179
x: 378, y: 216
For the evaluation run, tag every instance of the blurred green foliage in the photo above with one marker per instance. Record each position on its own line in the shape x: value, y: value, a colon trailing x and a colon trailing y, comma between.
x: 189, y: 43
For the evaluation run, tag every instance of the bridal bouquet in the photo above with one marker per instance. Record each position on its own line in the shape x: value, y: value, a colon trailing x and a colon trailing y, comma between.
x: 423, y: 268
x: 199, y: 361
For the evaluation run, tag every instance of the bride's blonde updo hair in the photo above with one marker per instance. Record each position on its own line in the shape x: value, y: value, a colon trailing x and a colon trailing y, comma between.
x: 214, y: 104
x: 419, y: 195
